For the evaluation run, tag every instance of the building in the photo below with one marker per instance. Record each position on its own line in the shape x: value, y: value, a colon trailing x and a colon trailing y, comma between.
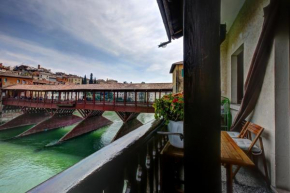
x: 7, y: 79
x: 237, y: 52
x: 4, y: 68
x: 251, y: 40
x: 52, y: 78
x: 111, y: 81
x: 44, y: 76
x: 41, y: 69
x: 101, y: 81
x: 74, y: 79
x: 177, y: 76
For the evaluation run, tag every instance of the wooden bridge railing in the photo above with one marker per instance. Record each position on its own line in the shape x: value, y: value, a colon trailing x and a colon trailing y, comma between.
x: 130, y: 163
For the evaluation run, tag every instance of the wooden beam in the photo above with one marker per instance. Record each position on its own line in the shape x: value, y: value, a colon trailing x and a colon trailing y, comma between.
x: 202, y: 95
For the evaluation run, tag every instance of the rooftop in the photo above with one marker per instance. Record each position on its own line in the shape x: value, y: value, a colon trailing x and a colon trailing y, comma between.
x: 5, y: 74
x: 116, y: 86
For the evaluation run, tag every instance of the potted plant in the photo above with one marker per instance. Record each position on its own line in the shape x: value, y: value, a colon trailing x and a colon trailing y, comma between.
x: 170, y: 108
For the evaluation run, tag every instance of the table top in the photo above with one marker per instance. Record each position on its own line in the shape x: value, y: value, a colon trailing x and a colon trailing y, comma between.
x: 172, y: 151
x: 231, y: 153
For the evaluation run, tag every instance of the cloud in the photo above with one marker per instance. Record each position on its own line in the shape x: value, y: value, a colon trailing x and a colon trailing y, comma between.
x: 127, y: 30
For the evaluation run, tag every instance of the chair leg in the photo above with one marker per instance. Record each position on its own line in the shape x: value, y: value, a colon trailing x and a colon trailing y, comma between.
x: 236, y: 171
x: 264, y: 162
x: 265, y: 169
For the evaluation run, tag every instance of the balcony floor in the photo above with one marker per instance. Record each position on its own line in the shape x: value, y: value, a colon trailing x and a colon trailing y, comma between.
x: 246, y: 180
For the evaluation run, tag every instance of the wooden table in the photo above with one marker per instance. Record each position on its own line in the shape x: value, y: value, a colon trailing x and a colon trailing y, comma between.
x: 231, y: 154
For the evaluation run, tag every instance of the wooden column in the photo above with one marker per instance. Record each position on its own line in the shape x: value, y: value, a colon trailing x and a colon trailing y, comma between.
x: 94, y: 97
x: 136, y: 98
x: 117, y: 95
x: 45, y: 96
x: 104, y: 98
x: 147, y: 98
x: 114, y: 99
x: 125, y: 97
x: 202, y: 95
x: 52, y: 96
x: 59, y: 96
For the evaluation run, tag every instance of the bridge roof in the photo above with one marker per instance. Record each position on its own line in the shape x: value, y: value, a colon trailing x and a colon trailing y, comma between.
x: 116, y: 86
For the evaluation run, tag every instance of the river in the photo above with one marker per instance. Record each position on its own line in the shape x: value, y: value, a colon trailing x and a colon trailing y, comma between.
x: 26, y: 162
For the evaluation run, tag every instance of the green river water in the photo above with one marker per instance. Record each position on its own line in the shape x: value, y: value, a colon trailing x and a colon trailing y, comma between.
x: 26, y: 162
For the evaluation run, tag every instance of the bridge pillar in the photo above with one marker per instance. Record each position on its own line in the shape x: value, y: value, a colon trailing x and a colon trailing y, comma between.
x: 60, y: 118
x: 127, y: 116
x: 93, y: 121
x: 30, y: 116
x: 130, y: 123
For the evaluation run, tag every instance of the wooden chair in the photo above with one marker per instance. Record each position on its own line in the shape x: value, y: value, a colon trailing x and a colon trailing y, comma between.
x: 249, y: 145
x: 235, y: 134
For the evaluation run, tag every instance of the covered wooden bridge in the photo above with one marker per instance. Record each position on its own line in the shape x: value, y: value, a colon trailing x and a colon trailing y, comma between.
x: 135, y: 98
x: 52, y: 106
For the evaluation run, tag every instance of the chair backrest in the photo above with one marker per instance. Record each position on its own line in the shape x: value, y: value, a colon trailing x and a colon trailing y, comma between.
x: 253, y: 129
x: 244, y: 124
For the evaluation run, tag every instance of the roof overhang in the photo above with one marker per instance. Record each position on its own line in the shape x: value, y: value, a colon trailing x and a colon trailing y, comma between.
x: 174, y: 65
x: 172, y: 16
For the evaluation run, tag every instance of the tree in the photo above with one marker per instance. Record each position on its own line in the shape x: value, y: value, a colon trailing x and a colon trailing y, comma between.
x: 95, y: 80
x: 84, y: 80
x: 91, y: 79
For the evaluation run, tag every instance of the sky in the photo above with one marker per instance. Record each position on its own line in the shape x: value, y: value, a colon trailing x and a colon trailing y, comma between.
x: 112, y: 39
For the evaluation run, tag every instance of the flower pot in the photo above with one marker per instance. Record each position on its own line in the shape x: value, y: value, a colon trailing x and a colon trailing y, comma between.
x: 175, y: 127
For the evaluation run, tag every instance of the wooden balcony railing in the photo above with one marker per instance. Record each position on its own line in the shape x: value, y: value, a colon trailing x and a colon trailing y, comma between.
x: 131, y: 163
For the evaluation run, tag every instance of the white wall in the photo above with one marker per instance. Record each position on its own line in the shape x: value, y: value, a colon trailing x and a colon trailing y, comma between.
x: 246, y: 31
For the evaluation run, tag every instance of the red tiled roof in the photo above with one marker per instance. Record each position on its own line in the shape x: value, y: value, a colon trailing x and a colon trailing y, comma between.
x: 7, y: 74
x: 116, y: 86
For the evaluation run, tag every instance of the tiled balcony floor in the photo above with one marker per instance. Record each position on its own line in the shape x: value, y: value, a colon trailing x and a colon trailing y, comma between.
x: 246, y: 181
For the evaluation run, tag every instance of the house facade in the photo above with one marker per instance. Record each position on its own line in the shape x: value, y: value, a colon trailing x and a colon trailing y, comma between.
x: 273, y: 107
x: 177, y: 76
x: 7, y: 79
x: 74, y: 79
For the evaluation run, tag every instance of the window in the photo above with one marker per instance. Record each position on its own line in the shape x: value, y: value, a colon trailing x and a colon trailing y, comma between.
x: 23, y: 82
x: 18, y: 81
x: 237, y: 76
x: 5, y: 79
